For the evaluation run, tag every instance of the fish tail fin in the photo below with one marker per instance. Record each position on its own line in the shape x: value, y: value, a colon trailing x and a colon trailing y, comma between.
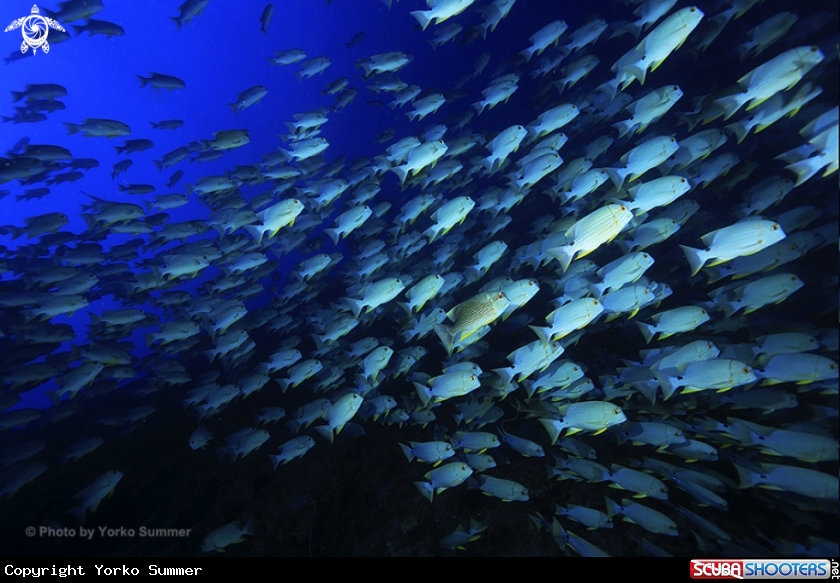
x: 612, y: 508
x: 90, y: 221
x: 746, y: 477
x: 553, y: 427
x: 544, y: 333
x: 563, y: 254
x: 695, y: 257
x: 731, y: 104
x: 325, y: 432
x: 407, y: 307
x: 407, y: 452
x: 730, y: 308
x: 666, y: 381
x: 334, y: 234
x: 528, y: 53
x: 636, y: 71
x: 598, y: 289
x: 647, y: 330
x: 143, y: 80
x: 319, y: 340
x: 424, y: 18
x: 211, y: 355
x: 739, y: 130
x: 256, y: 233
x: 355, y: 306
x: 805, y: 169
x: 423, y: 392
x: 506, y: 374
x: 617, y: 175
x: 72, y: 128
x: 401, y: 172
x: 623, y: 127
x: 425, y: 489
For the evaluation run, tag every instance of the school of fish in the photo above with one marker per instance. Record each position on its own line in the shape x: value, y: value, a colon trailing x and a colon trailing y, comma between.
x: 569, y: 274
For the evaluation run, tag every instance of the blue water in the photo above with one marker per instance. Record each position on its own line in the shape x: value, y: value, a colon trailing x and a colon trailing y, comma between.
x: 356, y: 496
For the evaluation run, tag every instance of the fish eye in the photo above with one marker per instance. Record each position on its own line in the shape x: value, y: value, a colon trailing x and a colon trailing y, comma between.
x: 746, y: 369
x: 616, y: 411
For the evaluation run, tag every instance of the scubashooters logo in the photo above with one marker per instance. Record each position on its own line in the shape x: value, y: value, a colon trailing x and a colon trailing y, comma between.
x: 35, y: 29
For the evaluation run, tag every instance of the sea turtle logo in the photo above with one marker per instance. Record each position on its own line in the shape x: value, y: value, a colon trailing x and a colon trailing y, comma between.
x: 35, y: 29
